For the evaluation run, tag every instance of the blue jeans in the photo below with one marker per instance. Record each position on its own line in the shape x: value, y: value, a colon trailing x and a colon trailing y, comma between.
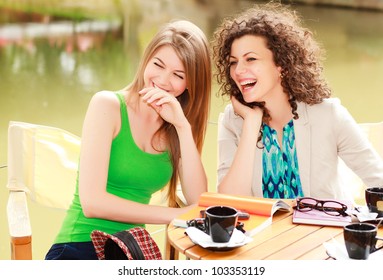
x: 72, y: 251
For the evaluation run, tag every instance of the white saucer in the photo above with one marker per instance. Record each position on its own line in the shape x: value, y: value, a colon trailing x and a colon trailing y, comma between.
x: 338, y: 251
x: 198, y: 237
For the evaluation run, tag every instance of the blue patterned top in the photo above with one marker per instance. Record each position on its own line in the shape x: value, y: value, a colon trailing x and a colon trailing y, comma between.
x: 280, y: 167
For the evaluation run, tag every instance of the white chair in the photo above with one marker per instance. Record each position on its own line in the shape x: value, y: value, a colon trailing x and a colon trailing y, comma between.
x: 42, y: 165
x: 353, y: 184
x: 374, y: 132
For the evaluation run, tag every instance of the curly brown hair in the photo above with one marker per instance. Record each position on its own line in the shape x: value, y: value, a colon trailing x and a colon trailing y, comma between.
x: 294, y: 50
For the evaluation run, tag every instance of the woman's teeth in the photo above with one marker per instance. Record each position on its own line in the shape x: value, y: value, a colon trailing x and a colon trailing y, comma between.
x: 248, y: 85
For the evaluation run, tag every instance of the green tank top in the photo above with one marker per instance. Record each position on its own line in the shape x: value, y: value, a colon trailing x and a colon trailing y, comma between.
x: 133, y: 174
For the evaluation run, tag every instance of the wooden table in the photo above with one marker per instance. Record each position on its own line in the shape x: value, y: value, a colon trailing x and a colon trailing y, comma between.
x: 282, y: 240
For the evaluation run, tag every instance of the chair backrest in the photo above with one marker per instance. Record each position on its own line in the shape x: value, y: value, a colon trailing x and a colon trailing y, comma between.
x: 374, y: 133
x: 43, y: 161
x: 354, y: 186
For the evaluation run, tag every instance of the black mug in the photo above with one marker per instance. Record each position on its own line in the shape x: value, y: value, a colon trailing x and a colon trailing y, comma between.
x: 220, y: 222
x: 360, y: 240
x: 374, y: 200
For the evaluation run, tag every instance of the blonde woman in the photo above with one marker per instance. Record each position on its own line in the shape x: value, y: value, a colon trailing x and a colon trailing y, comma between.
x: 140, y: 139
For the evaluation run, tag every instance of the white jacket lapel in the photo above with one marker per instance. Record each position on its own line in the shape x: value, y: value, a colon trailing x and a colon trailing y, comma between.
x: 303, y: 145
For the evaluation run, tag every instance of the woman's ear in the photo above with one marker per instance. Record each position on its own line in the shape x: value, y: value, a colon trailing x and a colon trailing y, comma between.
x: 280, y: 70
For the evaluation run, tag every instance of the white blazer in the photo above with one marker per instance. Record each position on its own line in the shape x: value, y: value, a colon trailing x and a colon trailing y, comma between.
x: 323, y: 133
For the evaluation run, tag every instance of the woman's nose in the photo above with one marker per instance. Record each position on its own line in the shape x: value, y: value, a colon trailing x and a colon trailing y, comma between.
x: 164, y: 79
x: 240, y: 68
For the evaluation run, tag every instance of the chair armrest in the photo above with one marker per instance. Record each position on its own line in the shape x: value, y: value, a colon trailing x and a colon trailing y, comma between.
x: 19, y: 226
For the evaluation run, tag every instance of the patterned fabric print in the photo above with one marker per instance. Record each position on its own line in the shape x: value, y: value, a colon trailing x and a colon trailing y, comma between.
x: 99, y: 238
x: 143, y: 238
x: 280, y: 167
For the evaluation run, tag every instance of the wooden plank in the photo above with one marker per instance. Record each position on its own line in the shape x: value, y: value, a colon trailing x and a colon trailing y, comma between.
x: 21, y: 248
x: 183, y: 244
x: 175, y: 234
x: 306, y: 243
x: 280, y: 224
x: 196, y: 252
x: 319, y: 252
x: 170, y: 252
x: 278, y: 242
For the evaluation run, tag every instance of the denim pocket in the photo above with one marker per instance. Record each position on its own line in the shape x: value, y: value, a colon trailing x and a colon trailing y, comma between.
x: 72, y: 251
x: 56, y: 252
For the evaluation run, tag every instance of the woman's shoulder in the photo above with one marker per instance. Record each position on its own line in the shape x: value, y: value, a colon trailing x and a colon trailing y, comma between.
x: 105, y: 99
x: 105, y: 96
x: 104, y: 104
x: 330, y: 109
x: 229, y: 119
x: 333, y: 101
x: 228, y: 113
x: 328, y: 104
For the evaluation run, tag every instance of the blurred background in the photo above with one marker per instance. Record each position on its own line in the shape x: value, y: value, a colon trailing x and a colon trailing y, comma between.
x: 55, y: 54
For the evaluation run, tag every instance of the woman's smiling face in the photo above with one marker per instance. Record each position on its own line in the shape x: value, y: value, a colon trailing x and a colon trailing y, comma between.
x: 253, y: 69
x: 166, y: 71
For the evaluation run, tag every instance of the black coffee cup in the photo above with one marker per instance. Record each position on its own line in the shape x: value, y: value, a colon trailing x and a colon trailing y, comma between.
x: 374, y: 200
x: 360, y: 240
x: 220, y: 222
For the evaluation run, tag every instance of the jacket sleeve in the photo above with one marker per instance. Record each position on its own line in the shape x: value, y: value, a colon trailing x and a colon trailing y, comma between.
x: 355, y: 149
x: 229, y: 131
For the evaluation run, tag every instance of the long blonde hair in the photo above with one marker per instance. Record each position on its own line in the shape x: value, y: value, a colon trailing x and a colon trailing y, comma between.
x: 191, y: 46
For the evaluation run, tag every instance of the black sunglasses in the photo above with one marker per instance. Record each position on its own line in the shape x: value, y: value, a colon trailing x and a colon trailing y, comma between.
x: 330, y: 207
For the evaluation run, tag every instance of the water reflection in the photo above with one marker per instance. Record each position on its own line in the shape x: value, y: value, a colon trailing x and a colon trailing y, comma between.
x: 50, y: 80
x: 354, y: 65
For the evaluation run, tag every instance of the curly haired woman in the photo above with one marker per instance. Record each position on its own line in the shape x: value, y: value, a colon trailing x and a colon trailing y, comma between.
x: 283, y: 135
